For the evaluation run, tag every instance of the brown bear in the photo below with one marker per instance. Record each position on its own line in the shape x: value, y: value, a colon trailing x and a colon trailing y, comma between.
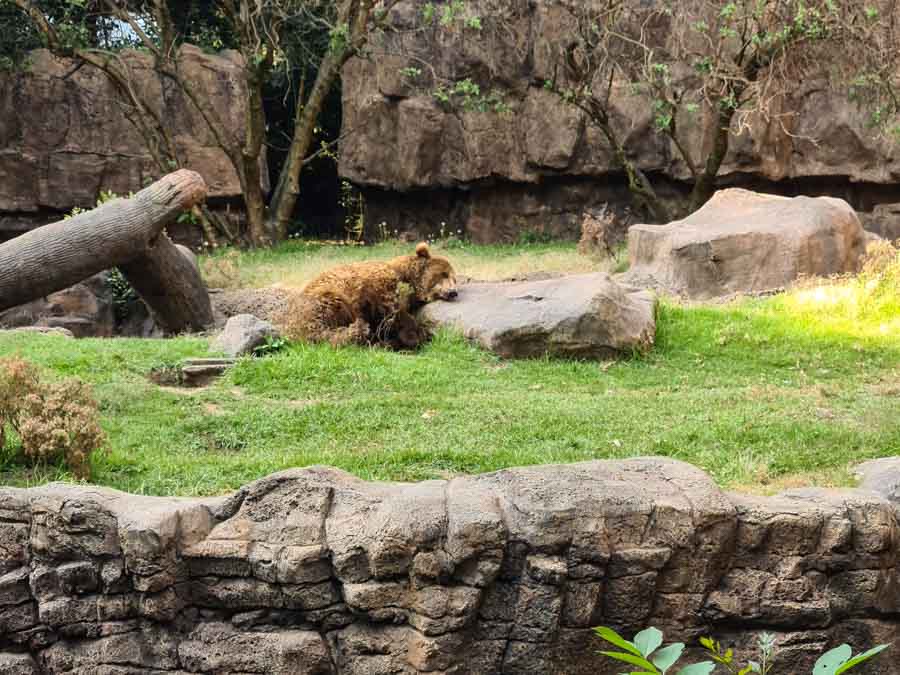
x: 371, y: 302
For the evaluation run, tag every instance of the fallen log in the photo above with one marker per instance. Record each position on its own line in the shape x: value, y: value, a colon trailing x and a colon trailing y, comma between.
x: 121, y: 232
x: 171, y: 285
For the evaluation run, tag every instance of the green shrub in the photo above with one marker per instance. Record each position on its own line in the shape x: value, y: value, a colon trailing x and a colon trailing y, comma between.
x: 649, y: 656
x: 272, y: 345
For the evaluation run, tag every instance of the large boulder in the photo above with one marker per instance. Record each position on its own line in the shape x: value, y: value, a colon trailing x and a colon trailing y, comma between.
x: 746, y: 242
x: 582, y: 316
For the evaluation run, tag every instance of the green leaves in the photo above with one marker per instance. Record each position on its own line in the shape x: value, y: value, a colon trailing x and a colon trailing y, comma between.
x: 339, y: 37
x: 645, y: 653
x: 613, y: 637
x: 702, y: 668
x: 633, y: 660
x: 648, y: 641
x: 840, y: 660
x: 667, y: 657
x: 468, y: 95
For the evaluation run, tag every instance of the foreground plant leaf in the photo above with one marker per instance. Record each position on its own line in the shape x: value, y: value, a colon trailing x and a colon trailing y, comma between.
x: 639, y: 661
x: 613, y: 637
x: 648, y: 641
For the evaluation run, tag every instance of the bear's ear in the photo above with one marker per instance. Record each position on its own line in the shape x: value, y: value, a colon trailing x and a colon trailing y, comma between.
x: 422, y: 250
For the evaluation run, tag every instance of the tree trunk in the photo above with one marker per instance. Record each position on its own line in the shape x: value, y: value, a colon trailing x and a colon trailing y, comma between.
x: 288, y: 189
x: 638, y: 183
x: 170, y: 283
x: 705, y: 183
x: 57, y: 256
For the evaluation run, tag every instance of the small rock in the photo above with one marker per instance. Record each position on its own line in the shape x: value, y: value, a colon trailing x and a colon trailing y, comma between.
x: 242, y: 334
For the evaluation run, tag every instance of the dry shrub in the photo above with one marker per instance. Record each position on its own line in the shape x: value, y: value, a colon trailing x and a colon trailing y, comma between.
x: 54, y: 421
x: 882, y: 259
x: 596, y: 232
x: 876, y: 291
x: 223, y: 270
x: 18, y: 379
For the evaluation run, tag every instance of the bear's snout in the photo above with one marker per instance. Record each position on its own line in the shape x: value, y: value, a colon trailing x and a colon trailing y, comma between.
x: 451, y: 294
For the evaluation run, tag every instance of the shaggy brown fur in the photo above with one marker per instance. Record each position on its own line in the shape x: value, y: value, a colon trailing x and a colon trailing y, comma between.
x: 371, y: 302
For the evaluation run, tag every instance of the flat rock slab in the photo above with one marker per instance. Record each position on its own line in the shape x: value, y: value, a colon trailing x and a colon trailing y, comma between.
x: 746, y: 242
x: 582, y: 316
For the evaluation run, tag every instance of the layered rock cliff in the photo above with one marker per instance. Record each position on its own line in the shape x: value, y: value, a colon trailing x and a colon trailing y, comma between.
x: 539, y: 165
x: 65, y: 137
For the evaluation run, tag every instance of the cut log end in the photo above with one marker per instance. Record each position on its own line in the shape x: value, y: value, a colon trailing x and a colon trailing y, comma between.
x: 183, y: 188
x: 119, y: 233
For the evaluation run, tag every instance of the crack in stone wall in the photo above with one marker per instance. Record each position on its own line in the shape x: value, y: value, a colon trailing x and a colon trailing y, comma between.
x: 314, y: 571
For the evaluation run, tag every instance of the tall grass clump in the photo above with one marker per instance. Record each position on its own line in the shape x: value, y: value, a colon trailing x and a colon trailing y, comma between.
x: 864, y: 305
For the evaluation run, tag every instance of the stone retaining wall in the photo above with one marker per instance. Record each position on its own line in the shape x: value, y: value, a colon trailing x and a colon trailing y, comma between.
x: 315, y: 571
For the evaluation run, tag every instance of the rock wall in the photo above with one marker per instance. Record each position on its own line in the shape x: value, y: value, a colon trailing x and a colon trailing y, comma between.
x: 64, y: 136
x: 314, y: 571
x: 539, y: 166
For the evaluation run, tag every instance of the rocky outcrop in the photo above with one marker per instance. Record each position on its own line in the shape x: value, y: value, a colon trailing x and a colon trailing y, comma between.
x: 64, y: 136
x: 585, y: 316
x: 884, y: 220
x: 85, y: 309
x: 746, y: 242
x: 314, y: 571
x: 538, y: 166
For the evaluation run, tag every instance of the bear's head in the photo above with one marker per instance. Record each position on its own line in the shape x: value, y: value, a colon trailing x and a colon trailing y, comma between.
x: 435, y: 278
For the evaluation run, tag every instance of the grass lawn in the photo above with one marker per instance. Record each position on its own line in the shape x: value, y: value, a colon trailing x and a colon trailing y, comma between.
x: 296, y: 262
x: 762, y: 393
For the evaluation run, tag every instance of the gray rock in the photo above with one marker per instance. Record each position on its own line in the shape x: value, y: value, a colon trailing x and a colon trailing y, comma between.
x: 18, y: 664
x: 582, y: 316
x: 242, y: 334
x: 881, y: 476
x: 82, y: 310
x: 884, y: 221
x: 428, y: 167
x: 746, y: 242
x: 219, y: 648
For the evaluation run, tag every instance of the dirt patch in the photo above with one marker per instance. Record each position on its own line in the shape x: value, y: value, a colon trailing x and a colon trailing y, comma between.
x: 300, y: 404
x: 167, y: 377
x: 263, y: 303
